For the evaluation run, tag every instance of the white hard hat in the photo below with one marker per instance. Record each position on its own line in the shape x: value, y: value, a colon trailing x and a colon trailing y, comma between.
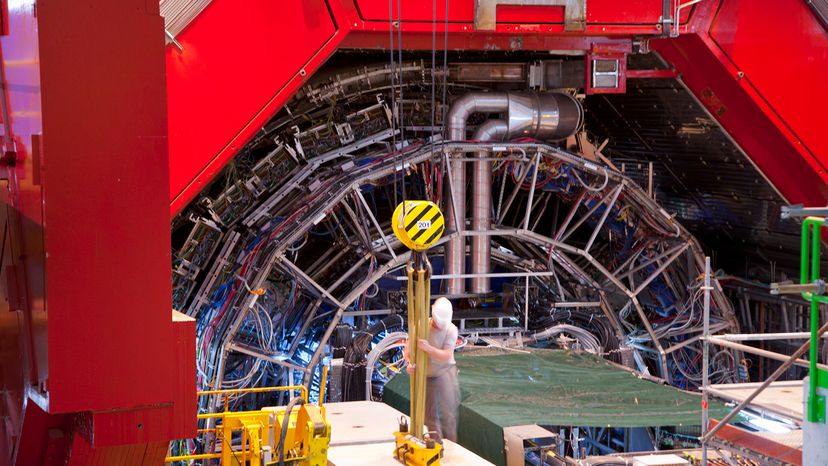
x: 441, y: 312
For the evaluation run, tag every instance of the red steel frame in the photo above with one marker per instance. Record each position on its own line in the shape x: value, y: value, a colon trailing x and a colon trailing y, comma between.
x: 97, y: 363
x: 757, y: 69
x: 723, y: 55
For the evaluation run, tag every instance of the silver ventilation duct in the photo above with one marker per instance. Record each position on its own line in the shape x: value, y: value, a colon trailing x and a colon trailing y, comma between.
x: 491, y: 130
x: 461, y: 109
x: 543, y: 116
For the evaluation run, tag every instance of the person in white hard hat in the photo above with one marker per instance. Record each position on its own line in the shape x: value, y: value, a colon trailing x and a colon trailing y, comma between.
x: 442, y: 386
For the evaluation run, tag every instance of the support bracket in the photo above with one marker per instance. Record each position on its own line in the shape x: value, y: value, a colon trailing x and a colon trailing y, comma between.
x: 485, y: 14
x: 816, y: 409
x: 798, y: 210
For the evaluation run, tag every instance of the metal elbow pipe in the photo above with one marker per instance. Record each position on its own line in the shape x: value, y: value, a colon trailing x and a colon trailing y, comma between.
x: 481, y: 246
x: 458, y: 114
x: 542, y: 116
x: 549, y: 116
x: 473, y: 102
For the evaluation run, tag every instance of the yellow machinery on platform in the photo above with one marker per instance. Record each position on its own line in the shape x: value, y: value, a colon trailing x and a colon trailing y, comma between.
x: 418, y: 225
x: 297, y: 434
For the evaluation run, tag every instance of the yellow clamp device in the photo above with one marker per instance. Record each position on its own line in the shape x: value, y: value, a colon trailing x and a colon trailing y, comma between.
x: 418, y: 224
x: 412, y: 451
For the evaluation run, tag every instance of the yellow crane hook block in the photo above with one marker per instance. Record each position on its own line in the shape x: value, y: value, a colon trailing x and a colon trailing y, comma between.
x: 418, y: 224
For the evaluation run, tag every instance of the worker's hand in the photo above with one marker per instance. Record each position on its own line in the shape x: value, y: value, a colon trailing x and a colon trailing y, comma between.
x: 410, y: 369
x: 406, y: 353
x: 424, y: 345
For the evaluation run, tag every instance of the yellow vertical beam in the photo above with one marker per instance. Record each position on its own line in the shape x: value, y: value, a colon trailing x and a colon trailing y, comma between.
x: 422, y: 361
x: 226, y: 446
x: 243, y: 461
x: 418, y: 303
x: 413, y: 395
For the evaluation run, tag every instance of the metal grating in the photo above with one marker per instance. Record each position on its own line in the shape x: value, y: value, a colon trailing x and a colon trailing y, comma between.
x: 178, y: 14
x: 820, y: 8
x: 699, y: 174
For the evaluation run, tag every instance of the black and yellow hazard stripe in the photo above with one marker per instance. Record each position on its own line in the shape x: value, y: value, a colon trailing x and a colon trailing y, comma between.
x: 420, y: 224
x: 431, y: 215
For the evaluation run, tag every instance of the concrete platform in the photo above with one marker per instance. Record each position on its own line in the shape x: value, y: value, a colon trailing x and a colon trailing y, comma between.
x: 362, y: 434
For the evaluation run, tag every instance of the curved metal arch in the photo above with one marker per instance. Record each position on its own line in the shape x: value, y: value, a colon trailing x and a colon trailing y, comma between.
x: 562, y: 251
x: 264, y: 237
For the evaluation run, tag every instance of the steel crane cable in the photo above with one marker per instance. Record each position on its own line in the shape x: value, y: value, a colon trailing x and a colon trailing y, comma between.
x: 393, y: 73
x: 433, y: 83
x: 402, y: 72
x: 445, y: 59
x: 402, y: 100
x: 445, y: 80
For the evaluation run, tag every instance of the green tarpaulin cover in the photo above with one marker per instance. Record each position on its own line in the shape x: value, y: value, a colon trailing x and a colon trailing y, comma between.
x: 554, y: 388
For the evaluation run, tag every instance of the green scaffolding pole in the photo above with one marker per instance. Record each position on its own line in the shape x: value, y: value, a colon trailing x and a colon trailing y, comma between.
x: 810, y: 252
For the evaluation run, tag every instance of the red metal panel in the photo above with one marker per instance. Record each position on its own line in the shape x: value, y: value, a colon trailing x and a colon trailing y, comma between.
x: 23, y: 272
x: 538, y: 14
x: 459, y: 41
x: 782, y: 49
x: 632, y: 12
x: 144, y: 425
x: 239, y: 64
x: 732, y: 97
x: 461, y: 36
x: 185, y: 407
x: 746, y: 118
x: 527, y: 30
x: 87, y: 215
x: 21, y: 214
x: 105, y: 171
x: 43, y: 440
x: 4, y: 13
x: 150, y: 454
x: 210, y: 67
x: 377, y: 10
x: 12, y: 375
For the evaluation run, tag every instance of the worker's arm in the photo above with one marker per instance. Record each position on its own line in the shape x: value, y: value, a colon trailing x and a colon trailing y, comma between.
x: 438, y: 354
x: 409, y: 365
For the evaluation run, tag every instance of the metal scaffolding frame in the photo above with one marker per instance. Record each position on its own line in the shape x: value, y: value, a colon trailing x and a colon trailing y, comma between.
x: 729, y: 341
